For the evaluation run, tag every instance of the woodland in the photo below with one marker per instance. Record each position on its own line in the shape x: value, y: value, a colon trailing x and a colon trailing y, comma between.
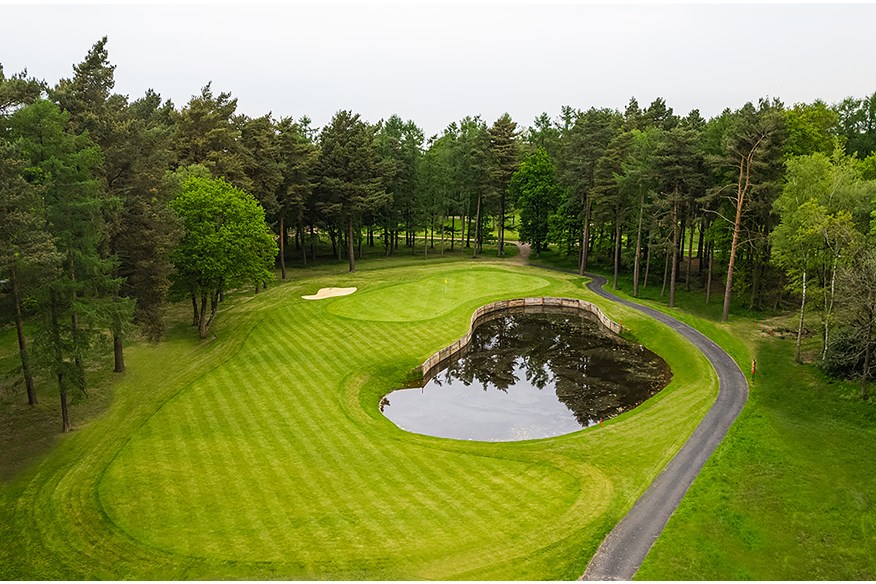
x: 112, y: 207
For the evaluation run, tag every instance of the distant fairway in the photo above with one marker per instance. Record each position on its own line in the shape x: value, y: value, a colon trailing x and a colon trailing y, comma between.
x: 262, y: 454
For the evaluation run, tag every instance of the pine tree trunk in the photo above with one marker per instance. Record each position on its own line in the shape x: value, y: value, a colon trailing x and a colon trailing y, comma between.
x: 617, y: 250
x: 501, y: 229
x: 477, y: 228
x: 118, y: 355
x: 689, y: 256
x: 195, y: 313
x: 283, y: 244
x: 648, y: 256
x: 637, y: 261
x: 734, y: 244
x: 585, y: 240
x: 59, y: 361
x: 674, y: 251
x: 77, y: 341
x: 452, y: 231
x: 22, y: 346
x: 65, y: 412
x: 312, y: 245
x: 711, y: 254
x: 350, y: 244
x: 300, y: 229
x: 665, y: 274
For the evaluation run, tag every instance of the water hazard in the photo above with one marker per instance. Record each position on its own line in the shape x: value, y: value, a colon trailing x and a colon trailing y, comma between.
x: 530, y: 373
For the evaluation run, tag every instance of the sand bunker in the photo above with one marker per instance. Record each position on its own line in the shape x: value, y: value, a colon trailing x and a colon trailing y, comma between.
x: 329, y: 293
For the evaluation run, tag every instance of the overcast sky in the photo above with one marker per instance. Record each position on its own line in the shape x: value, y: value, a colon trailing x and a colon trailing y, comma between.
x: 436, y: 64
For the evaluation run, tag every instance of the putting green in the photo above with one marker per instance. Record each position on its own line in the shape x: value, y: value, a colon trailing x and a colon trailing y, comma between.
x: 433, y: 296
x: 263, y: 454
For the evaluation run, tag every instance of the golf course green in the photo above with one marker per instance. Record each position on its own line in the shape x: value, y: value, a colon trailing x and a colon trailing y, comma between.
x: 262, y: 453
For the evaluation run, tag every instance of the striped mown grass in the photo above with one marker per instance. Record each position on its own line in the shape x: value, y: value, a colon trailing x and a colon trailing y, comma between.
x: 262, y: 454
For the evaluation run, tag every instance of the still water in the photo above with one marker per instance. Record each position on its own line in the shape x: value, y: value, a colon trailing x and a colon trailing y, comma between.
x: 528, y: 374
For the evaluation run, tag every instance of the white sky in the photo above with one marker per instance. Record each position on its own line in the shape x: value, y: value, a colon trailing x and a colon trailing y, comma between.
x: 437, y: 63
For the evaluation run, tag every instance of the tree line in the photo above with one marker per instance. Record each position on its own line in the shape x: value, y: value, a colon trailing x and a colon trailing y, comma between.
x: 111, y: 207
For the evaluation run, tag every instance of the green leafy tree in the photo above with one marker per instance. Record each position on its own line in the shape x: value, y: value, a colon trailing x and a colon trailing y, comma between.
x: 535, y: 188
x: 811, y: 128
x: 857, y: 124
x: 226, y: 243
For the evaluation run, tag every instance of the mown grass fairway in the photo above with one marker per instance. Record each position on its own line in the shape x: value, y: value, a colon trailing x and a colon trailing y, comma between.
x: 263, y: 454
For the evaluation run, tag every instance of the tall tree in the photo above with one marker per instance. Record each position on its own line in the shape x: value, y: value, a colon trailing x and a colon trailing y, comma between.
x: 226, y: 243
x: 28, y: 251
x: 857, y: 124
x: 753, y: 146
x: 535, y: 188
x: 18, y: 90
x: 585, y: 142
x: 681, y: 176
x: 65, y: 165
x: 504, y: 151
x: 639, y: 179
x: 206, y: 133
x: 857, y: 284
x: 351, y: 173
x: 611, y: 200
x: 811, y: 128
x: 297, y: 157
x: 145, y: 229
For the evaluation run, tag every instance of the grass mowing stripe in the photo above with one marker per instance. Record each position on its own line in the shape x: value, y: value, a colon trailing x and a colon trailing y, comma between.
x: 360, y: 498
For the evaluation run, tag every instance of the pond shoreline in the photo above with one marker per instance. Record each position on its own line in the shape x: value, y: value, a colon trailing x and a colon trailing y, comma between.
x: 440, y: 358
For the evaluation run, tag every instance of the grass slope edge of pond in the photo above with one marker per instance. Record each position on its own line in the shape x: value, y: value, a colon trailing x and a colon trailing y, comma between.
x: 262, y: 454
x: 790, y: 494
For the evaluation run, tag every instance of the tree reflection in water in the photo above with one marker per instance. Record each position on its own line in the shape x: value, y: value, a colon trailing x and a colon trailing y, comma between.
x: 564, y: 355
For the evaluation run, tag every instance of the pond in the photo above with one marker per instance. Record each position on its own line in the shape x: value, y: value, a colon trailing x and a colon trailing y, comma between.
x: 528, y: 373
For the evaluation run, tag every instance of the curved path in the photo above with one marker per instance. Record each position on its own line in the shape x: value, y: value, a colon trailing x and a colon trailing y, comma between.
x: 624, y: 549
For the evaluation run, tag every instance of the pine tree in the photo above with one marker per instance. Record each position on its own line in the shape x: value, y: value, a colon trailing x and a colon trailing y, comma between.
x: 351, y: 174
x: 504, y: 155
x: 28, y: 252
x: 65, y: 166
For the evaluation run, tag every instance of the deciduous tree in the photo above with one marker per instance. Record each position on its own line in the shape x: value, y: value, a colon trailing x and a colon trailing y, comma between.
x: 226, y: 243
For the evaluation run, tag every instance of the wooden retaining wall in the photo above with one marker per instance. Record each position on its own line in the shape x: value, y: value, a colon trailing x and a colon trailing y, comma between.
x: 434, y: 362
